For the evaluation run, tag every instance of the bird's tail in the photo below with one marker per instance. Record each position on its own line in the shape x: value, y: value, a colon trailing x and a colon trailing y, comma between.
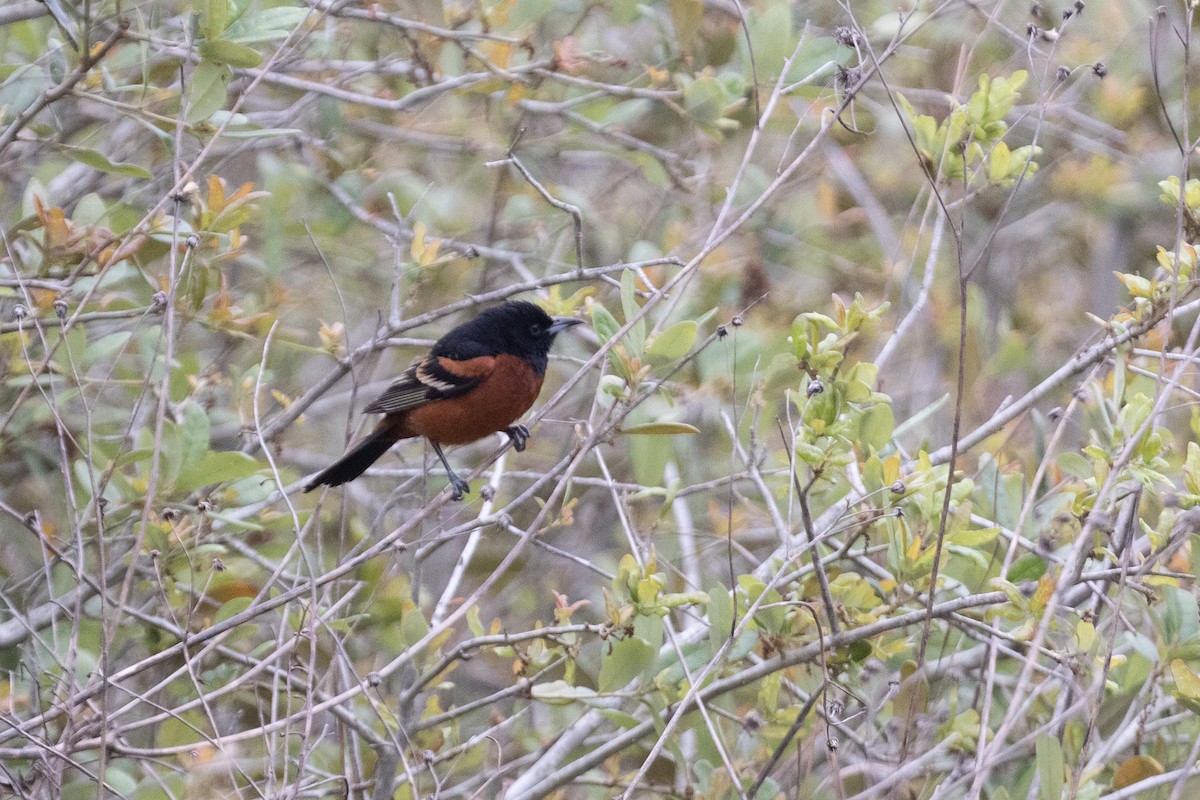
x: 356, y: 460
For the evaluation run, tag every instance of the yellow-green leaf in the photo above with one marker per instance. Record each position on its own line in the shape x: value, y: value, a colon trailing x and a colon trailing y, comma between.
x: 624, y: 661
x: 603, y: 322
x: 208, y: 91
x: 660, y: 429
x: 974, y: 538
x: 216, y: 468
x: 1186, y: 681
x: 97, y: 160
x: 560, y: 693
x: 1000, y: 163
x: 686, y: 16
x: 1085, y: 635
x: 673, y: 343
x: 214, y: 17
x: 235, y: 55
x: 704, y: 99
x: 1048, y: 753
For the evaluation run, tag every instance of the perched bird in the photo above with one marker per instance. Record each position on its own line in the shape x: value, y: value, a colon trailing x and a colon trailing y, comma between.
x: 478, y: 379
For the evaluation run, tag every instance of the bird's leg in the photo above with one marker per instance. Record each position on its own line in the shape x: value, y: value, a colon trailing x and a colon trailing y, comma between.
x: 458, y: 487
x: 519, y: 434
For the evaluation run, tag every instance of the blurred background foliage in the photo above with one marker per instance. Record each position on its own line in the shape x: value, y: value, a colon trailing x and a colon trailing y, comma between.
x: 227, y: 223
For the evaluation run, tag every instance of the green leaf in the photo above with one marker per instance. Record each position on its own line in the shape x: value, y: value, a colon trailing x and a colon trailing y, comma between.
x: 676, y: 599
x: 1192, y: 463
x: 621, y: 718
x: 266, y: 25
x: 181, y: 729
x: 912, y: 696
x: 971, y: 554
x: 686, y: 16
x: 119, y: 782
x: 864, y: 372
x: 809, y: 453
x: 649, y: 628
x: 873, y: 473
x: 1000, y: 163
x: 1049, y: 755
x: 636, y: 338
x: 858, y: 391
x: 171, y: 452
x: 818, y: 58
x: 97, y: 160
x: 604, y: 323
x: 859, y: 651
x: 1085, y: 635
x: 235, y: 523
x: 769, y: 788
x: 133, y: 456
x: 770, y: 616
x: 747, y: 640
x: 720, y: 614
x: 84, y: 478
x: 532, y: 11
x: 560, y: 693
x: 90, y: 209
x: 660, y: 429
x: 622, y: 12
x: 610, y: 386
x: 475, y: 622
x: 876, y: 425
x: 214, y: 17
x: 251, y: 132
x: 973, y: 538
x: 772, y: 39
x: 225, y: 52
x: 734, y: 83
x: 648, y: 590
x: 208, y: 90
x: 669, y: 670
x: 232, y: 608
x: 1075, y: 465
x: 673, y: 343
x: 626, y: 660
x: 193, y: 434
x: 413, y: 625
x: 629, y: 305
x: 705, y: 99
x: 1179, y: 619
x: 1187, y: 683
x: 926, y: 129
x: 1028, y: 567
x: 217, y: 467
x: 1009, y: 588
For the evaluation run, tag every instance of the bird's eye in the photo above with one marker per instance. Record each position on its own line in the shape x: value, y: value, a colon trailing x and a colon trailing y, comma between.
x: 535, y: 329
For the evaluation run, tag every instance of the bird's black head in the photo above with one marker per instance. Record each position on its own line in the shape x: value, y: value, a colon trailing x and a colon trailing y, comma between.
x: 517, y: 328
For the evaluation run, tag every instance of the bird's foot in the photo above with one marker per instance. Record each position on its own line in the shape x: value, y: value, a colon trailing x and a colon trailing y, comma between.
x: 458, y: 487
x: 519, y: 434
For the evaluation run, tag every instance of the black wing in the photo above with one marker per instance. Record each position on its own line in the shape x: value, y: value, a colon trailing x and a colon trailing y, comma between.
x: 430, y: 378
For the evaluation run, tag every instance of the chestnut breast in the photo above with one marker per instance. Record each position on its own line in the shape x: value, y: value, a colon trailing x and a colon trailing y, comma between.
x: 498, y: 401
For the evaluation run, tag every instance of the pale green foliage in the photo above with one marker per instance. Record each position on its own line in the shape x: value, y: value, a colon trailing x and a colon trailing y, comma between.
x: 710, y: 571
x: 972, y: 134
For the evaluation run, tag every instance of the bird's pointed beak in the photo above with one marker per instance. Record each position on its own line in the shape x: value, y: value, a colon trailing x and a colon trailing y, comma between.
x: 560, y: 324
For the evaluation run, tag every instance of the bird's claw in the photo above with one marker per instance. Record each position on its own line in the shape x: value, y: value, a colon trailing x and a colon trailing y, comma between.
x: 518, y: 434
x: 458, y: 487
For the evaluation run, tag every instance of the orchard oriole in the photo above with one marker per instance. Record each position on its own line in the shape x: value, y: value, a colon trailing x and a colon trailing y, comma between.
x: 478, y: 379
